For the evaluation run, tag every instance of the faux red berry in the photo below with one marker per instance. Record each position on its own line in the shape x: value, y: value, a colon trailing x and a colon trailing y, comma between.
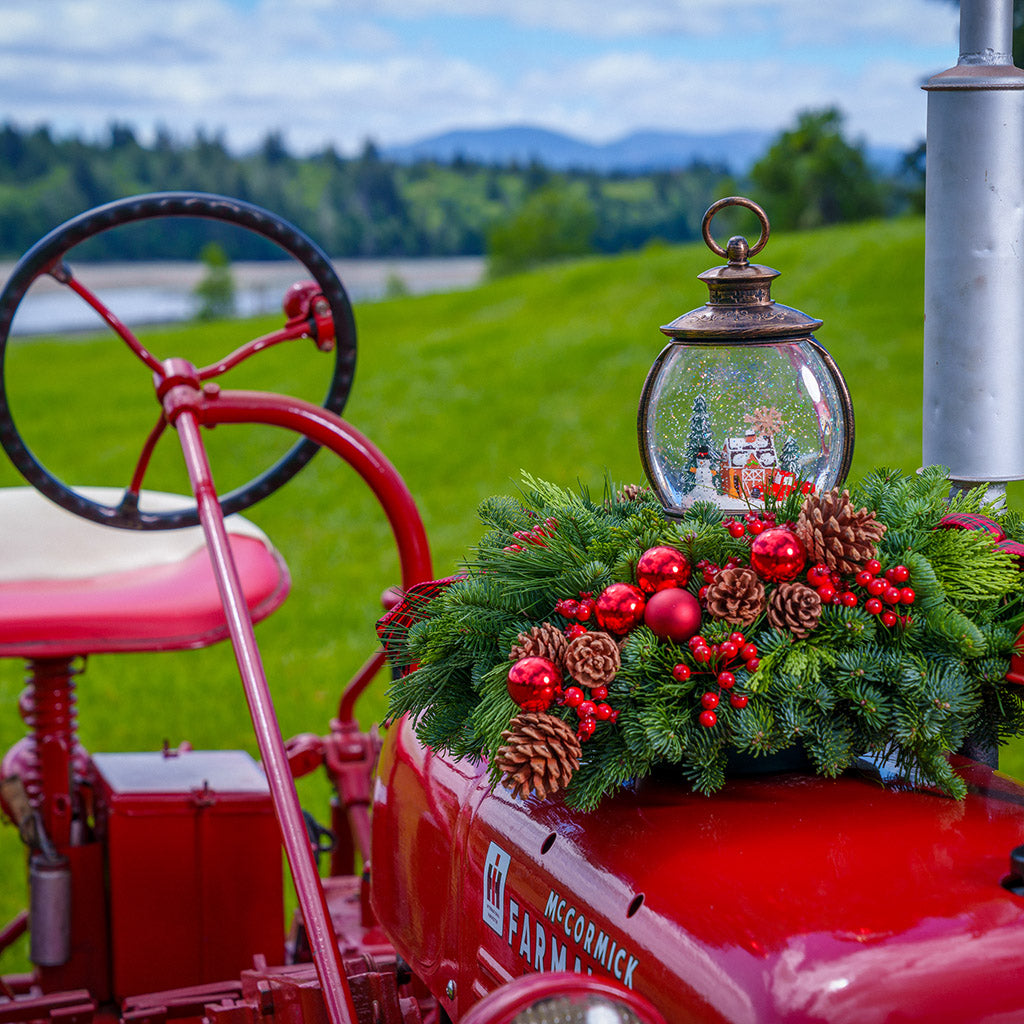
x: 753, y: 664
x: 755, y: 527
x: 681, y: 673
x: 513, y: 548
x: 567, y: 607
x: 710, y: 700
x: 907, y: 595
x: 878, y: 586
x: 738, y: 700
x: 863, y: 578
x: 738, y: 639
x: 726, y: 680
x: 586, y: 729
x: 702, y: 655
x: 708, y: 719
x: 603, y: 712
x: 889, y: 618
x: 696, y: 641
x: 574, y: 630
x: 573, y: 696
x: 748, y: 651
x: 727, y: 650
x: 891, y: 595
x: 586, y: 709
x: 873, y: 606
x: 898, y: 574
x: 818, y: 574
x: 826, y: 592
x: 599, y: 693
x: 848, y: 598
x: 702, y: 593
x: 873, y: 566
x: 736, y: 530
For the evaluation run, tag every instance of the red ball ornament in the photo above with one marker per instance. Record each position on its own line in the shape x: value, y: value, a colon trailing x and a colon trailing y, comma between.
x: 673, y: 615
x: 778, y: 555
x: 533, y: 683
x: 660, y: 568
x: 620, y: 607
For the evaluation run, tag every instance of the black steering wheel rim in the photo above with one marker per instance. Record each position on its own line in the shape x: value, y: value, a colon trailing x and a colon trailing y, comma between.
x: 48, y: 252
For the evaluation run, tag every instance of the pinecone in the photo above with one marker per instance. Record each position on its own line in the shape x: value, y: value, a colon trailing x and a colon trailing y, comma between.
x: 794, y: 607
x: 593, y: 659
x: 735, y: 595
x: 632, y: 492
x: 836, y: 533
x: 544, y: 641
x: 539, y: 754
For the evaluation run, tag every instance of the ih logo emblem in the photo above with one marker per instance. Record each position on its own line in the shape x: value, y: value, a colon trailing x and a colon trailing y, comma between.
x: 495, y: 873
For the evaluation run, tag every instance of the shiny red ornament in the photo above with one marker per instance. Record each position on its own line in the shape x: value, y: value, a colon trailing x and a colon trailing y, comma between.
x: 777, y: 555
x: 620, y: 607
x: 673, y: 615
x: 660, y: 568
x: 533, y: 683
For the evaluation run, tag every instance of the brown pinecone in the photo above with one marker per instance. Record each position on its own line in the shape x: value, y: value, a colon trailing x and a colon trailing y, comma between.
x: 592, y: 659
x: 836, y: 533
x: 632, y: 492
x: 794, y: 607
x: 539, y: 754
x: 735, y: 595
x: 544, y: 641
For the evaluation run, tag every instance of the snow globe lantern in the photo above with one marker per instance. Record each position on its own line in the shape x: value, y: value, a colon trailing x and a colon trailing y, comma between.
x: 743, y: 402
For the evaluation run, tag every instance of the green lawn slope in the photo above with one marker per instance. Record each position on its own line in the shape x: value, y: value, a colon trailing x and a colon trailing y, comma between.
x: 540, y: 372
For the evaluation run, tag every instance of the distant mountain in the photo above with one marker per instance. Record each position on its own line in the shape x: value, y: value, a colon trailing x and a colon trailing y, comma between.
x: 637, y: 152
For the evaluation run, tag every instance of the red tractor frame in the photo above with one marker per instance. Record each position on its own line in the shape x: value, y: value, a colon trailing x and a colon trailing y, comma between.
x: 788, y: 897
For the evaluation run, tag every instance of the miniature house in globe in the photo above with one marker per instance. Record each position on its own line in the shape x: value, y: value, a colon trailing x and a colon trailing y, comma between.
x: 743, y: 402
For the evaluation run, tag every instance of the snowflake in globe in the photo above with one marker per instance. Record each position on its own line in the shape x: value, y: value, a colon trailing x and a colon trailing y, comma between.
x: 765, y: 420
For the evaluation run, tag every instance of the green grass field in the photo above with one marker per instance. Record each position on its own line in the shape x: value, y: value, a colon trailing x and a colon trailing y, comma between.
x: 540, y: 372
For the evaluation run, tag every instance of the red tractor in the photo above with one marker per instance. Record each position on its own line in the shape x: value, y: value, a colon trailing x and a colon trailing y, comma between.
x: 154, y: 879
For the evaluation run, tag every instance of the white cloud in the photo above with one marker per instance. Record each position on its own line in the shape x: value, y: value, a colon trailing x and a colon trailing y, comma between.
x: 321, y: 70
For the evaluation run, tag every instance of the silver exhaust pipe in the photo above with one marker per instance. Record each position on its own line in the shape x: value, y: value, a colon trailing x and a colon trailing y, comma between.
x: 974, y: 257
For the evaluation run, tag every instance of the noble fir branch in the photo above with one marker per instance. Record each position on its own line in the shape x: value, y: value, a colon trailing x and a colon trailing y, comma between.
x: 969, y: 567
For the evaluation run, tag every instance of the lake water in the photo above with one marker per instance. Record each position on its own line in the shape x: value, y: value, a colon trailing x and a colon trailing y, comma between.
x: 154, y: 293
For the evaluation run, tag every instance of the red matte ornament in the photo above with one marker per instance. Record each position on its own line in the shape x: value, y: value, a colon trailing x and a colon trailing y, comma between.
x: 778, y: 555
x: 620, y: 607
x: 673, y: 615
x: 660, y: 568
x: 533, y: 683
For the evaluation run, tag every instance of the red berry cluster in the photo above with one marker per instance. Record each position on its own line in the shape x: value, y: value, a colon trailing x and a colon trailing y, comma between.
x: 590, y: 710
x: 886, y: 589
x: 753, y: 524
x: 535, y: 536
x: 716, y: 657
x: 581, y: 610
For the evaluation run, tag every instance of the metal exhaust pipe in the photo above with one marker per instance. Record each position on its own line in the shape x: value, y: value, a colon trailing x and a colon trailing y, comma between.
x: 974, y: 257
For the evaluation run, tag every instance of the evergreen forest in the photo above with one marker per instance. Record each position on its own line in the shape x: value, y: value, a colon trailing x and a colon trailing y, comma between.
x: 368, y: 206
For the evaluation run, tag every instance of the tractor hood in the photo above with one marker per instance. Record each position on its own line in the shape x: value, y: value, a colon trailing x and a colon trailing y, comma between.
x: 782, y: 897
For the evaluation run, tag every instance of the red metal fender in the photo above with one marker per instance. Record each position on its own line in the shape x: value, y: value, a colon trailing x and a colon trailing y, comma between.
x: 784, y: 897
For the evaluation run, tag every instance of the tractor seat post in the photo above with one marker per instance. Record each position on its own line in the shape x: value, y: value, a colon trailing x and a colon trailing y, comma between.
x: 49, y: 758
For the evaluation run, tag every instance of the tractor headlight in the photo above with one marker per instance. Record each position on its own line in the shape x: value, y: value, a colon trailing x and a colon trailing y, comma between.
x: 562, y: 998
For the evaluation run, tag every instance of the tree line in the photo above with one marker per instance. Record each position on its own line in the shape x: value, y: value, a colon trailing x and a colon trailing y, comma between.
x: 366, y: 205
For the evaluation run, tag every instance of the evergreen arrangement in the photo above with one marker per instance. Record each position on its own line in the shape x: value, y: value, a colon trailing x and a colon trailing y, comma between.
x: 588, y: 642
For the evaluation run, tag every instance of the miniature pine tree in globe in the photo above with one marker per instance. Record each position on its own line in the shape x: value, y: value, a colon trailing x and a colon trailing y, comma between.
x: 700, y: 442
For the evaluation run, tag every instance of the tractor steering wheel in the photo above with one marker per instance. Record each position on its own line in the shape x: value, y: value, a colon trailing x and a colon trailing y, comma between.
x: 46, y: 257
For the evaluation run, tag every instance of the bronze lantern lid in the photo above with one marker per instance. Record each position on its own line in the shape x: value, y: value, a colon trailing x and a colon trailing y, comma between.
x: 739, y: 306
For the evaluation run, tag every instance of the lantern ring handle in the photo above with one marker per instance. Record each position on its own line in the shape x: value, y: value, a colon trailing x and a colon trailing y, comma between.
x: 749, y: 204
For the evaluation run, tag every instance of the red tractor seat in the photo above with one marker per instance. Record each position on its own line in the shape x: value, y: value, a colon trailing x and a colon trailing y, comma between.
x: 70, y: 587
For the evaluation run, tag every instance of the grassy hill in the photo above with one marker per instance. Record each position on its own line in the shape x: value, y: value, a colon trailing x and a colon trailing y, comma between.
x: 539, y: 372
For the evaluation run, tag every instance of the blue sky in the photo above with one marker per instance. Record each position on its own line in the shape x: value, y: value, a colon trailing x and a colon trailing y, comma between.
x: 340, y: 71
